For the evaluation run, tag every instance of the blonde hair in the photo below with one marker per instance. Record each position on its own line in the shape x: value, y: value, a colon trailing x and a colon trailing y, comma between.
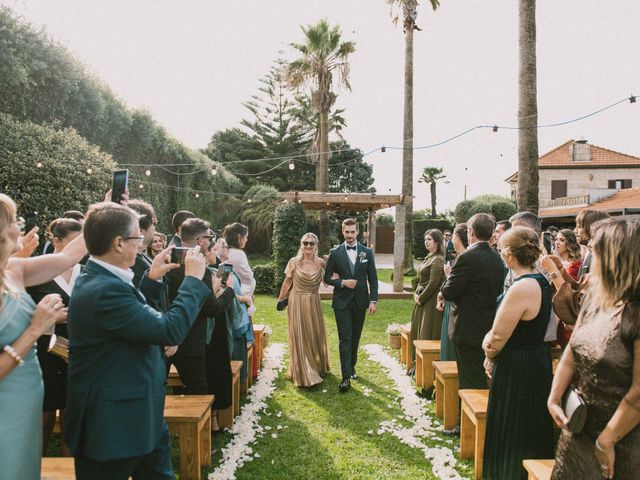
x: 523, y: 243
x: 300, y: 255
x: 7, y: 217
x: 616, y: 262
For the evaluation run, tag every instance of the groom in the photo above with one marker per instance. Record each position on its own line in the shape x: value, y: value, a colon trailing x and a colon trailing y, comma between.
x: 349, y: 267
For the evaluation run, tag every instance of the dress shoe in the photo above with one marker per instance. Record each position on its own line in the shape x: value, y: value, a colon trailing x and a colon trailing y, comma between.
x: 345, y: 385
x: 452, y: 432
x: 354, y: 375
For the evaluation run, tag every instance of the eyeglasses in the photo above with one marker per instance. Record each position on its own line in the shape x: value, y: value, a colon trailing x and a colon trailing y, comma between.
x: 308, y: 244
x: 139, y: 240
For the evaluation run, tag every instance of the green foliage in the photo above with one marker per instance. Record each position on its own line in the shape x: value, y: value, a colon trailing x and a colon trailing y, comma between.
x: 347, y: 171
x: 265, y: 276
x: 61, y: 182
x: 420, y: 227
x: 289, y: 226
x: 462, y: 212
x: 503, y: 210
x: 491, y: 199
x: 41, y: 82
x: 384, y: 219
x: 480, y: 207
x: 500, y: 207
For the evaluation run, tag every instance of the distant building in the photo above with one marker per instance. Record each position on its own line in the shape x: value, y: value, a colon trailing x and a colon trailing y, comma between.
x: 577, y: 175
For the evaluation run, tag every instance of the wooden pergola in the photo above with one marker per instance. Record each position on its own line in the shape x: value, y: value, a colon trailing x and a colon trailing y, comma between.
x: 369, y: 202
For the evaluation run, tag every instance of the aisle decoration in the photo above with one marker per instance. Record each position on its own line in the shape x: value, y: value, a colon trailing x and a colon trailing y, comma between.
x: 414, y: 408
x: 246, y: 428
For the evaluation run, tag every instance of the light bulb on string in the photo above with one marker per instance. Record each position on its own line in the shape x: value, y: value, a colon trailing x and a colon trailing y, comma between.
x: 39, y: 165
x: 214, y: 171
x: 141, y: 186
x: 147, y: 172
x: 197, y: 195
x: 292, y: 165
x: 249, y: 201
x: 89, y: 170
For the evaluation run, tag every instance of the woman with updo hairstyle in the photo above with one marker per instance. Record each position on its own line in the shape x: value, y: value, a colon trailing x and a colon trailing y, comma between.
x: 60, y: 232
x: 602, y: 361
x: 518, y: 362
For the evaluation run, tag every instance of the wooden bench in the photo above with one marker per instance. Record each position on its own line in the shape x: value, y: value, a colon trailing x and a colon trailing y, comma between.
x: 426, y: 352
x: 405, y: 344
x: 173, y: 379
x: 244, y: 387
x: 190, y: 417
x: 258, y: 346
x: 447, y: 400
x: 226, y: 416
x: 539, y: 469
x: 58, y: 468
x: 472, y: 427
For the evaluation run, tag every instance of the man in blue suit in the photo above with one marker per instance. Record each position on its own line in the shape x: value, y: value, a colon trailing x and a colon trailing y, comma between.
x: 349, y: 267
x: 114, y: 420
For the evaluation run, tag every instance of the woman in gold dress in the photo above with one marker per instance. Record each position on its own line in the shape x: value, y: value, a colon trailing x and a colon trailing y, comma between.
x: 308, y: 348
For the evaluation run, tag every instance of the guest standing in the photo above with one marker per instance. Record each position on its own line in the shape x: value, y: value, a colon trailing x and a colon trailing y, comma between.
x: 475, y: 282
x: 308, y: 348
x: 54, y: 369
x: 519, y: 363
x: 21, y: 324
x: 603, y: 362
x: 447, y: 348
x: 426, y: 320
x: 568, y: 250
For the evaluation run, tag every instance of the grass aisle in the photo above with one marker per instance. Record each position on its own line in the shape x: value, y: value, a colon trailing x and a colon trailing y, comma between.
x: 322, y: 434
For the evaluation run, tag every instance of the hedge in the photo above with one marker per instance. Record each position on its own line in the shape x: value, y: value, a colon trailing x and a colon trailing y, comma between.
x: 289, y: 225
x: 420, y: 227
x: 45, y: 171
x: 265, y: 276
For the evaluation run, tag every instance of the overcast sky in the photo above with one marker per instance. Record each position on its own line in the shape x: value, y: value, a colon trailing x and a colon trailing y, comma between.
x: 192, y: 64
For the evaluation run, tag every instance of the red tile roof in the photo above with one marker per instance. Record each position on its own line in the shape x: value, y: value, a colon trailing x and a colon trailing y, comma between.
x: 627, y: 198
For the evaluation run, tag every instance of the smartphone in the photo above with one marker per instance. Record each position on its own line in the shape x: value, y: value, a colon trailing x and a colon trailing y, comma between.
x: 178, y: 254
x: 119, y: 184
x: 224, y: 271
x: 546, y: 240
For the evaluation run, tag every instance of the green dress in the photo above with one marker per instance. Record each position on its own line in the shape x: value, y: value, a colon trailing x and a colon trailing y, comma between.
x: 519, y: 426
x: 21, y: 394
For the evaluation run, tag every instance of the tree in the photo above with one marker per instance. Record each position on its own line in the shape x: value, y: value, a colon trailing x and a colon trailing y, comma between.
x: 323, y: 54
x: 261, y: 202
x: 402, y: 244
x: 527, y: 109
x: 431, y: 175
x: 347, y: 171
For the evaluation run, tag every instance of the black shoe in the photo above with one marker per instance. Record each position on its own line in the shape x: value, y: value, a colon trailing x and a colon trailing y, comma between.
x: 354, y: 375
x: 345, y: 385
x: 426, y: 392
x: 412, y: 372
x: 453, y: 432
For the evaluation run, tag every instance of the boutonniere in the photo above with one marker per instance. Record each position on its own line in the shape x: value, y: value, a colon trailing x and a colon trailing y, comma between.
x: 363, y: 257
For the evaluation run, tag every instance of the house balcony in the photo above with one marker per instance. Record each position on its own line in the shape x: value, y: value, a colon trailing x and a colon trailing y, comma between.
x: 594, y: 195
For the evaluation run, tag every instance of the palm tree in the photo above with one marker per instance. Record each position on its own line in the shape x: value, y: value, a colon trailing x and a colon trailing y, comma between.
x: 527, y: 109
x: 403, y: 260
x: 323, y: 53
x: 431, y: 175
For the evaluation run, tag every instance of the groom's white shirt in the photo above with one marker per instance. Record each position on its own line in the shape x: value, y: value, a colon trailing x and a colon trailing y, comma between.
x: 352, y: 254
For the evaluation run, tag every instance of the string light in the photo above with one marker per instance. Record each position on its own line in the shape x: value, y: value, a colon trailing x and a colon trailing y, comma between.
x: 495, y: 128
x: 292, y: 165
x: 147, y: 172
x: 249, y: 201
x: 214, y: 171
x: 632, y: 99
x: 197, y: 195
x: 39, y: 165
x: 89, y: 170
x: 141, y: 186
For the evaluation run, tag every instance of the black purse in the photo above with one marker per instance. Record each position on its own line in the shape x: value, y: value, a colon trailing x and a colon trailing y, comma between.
x: 574, y: 409
x: 282, y: 304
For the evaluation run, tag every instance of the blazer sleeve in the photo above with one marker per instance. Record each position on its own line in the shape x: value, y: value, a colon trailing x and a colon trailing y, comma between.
x: 459, y: 279
x: 372, y: 276
x: 436, y: 272
x: 330, y: 270
x: 121, y: 313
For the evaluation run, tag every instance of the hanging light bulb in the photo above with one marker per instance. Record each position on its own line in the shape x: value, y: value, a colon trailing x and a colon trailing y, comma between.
x: 141, y: 186
x: 147, y: 172
x: 292, y: 165
x: 39, y: 165
x: 249, y: 201
x: 346, y: 198
x: 197, y: 195
x: 214, y: 171
x: 89, y: 170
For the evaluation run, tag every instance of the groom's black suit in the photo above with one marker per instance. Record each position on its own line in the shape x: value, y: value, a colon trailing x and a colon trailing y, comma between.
x: 350, y: 304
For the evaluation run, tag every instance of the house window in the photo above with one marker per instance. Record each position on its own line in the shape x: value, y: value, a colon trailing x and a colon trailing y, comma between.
x: 558, y: 189
x: 619, y: 184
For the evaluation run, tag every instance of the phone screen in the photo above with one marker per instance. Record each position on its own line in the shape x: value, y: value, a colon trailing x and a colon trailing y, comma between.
x: 178, y: 254
x: 119, y: 185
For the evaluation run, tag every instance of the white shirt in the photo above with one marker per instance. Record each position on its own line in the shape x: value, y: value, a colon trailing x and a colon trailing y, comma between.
x: 125, y: 275
x: 68, y: 287
x: 352, y: 254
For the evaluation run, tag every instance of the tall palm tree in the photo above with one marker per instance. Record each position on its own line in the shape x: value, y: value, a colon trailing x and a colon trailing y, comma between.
x: 403, y: 258
x: 430, y: 175
x: 527, y: 109
x: 323, y: 54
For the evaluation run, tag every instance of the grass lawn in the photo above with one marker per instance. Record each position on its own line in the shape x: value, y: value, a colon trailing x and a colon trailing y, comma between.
x: 326, y: 434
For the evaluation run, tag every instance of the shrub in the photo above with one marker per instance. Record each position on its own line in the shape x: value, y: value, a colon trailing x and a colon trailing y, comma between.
x: 480, y: 207
x: 503, y: 210
x: 421, y: 226
x: 265, y: 276
x: 45, y: 170
x: 462, y: 212
x: 289, y: 225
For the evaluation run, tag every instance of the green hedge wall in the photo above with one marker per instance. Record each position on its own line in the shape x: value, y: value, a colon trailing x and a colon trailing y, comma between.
x: 420, y: 227
x: 289, y: 225
x: 265, y: 276
x: 45, y: 170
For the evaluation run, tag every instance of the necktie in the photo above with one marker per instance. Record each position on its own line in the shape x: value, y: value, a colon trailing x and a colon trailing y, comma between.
x: 351, y: 248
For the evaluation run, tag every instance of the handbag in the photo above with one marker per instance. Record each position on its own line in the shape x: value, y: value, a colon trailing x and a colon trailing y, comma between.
x: 282, y: 304
x: 574, y: 409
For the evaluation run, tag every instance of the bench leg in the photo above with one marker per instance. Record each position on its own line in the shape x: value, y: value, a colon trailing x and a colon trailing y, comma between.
x: 467, y: 436
x: 205, y: 440
x: 189, y: 451
x: 236, y: 397
x: 429, y: 372
x: 478, y: 454
x: 419, y: 370
x: 225, y: 418
x: 451, y: 402
x: 440, y: 400
x: 403, y: 350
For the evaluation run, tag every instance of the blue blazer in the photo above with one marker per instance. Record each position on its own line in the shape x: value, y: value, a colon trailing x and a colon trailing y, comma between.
x: 116, y: 380
x: 364, y: 271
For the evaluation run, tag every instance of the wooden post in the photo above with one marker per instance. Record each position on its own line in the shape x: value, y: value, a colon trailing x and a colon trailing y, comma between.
x: 371, y: 228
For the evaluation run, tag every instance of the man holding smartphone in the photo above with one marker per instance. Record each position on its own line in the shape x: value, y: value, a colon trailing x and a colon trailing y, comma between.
x: 191, y: 355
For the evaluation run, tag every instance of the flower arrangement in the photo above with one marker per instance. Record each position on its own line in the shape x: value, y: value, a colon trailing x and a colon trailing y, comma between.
x: 394, y: 330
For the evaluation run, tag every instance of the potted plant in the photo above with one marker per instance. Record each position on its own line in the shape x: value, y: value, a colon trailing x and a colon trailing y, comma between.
x: 393, y: 332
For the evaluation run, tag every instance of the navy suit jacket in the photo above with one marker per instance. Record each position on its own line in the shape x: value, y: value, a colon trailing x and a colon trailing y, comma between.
x: 116, y: 380
x: 365, y: 270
